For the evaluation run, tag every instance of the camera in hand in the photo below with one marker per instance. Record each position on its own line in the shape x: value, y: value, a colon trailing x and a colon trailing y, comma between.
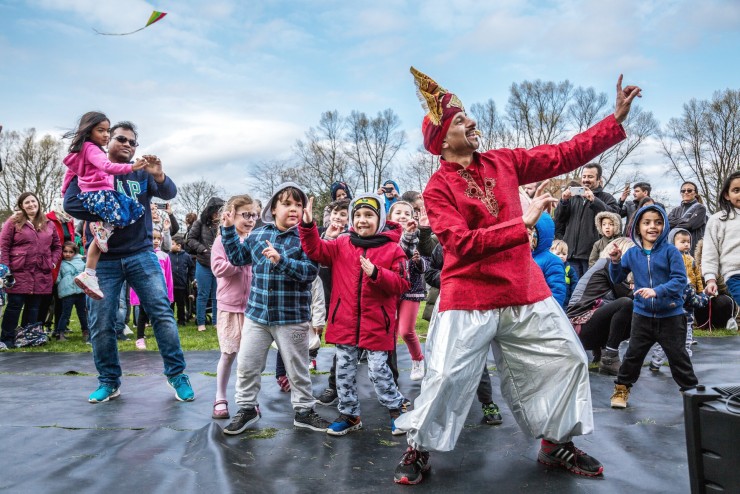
x: 577, y: 191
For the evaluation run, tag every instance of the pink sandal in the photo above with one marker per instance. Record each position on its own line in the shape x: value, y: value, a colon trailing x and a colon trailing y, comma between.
x: 220, y: 414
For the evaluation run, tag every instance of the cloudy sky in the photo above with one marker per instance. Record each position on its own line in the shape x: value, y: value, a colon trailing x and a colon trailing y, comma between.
x: 217, y: 86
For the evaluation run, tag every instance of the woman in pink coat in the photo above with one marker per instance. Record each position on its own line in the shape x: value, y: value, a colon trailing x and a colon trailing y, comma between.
x: 30, y: 247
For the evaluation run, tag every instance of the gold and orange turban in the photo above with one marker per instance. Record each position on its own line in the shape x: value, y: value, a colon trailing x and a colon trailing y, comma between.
x: 440, y: 105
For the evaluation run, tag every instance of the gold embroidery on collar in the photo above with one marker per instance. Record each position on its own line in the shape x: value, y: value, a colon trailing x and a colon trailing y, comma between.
x: 474, y: 191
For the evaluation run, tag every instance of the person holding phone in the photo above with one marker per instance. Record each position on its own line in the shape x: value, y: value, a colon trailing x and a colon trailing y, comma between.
x: 390, y: 191
x: 626, y: 207
x: 576, y: 214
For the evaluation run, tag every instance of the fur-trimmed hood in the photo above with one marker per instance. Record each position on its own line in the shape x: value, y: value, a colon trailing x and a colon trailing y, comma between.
x: 616, y: 219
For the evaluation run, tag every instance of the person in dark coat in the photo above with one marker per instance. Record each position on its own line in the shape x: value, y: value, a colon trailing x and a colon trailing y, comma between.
x: 691, y: 215
x: 30, y: 247
x: 578, y: 214
x: 200, y: 240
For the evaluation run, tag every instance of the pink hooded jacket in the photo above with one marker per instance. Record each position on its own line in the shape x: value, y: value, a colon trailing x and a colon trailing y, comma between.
x: 93, y: 169
x: 233, y: 282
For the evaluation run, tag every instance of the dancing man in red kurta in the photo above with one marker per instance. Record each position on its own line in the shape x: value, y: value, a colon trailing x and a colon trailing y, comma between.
x: 493, y: 294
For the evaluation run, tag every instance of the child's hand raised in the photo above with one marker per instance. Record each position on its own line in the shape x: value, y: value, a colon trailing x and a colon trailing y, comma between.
x: 411, y: 226
x: 308, y: 211
x: 367, y: 266
x: 423, y: 218
x: 270, y: 253
x: 227, y: 217
x: 139, y: 164
x: 333, y: 230
x: 646, y: 293
x: 615, y: 254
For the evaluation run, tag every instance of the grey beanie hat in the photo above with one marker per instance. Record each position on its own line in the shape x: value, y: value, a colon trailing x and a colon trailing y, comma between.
x: 267, y: 209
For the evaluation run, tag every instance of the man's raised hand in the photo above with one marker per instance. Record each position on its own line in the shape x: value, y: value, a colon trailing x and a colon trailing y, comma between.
x: 624, y: 100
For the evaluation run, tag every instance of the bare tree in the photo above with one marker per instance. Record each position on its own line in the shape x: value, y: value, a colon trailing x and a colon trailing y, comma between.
x: 703, y: 145
x: 372, y: 146
x: 321, y: 155
x: 267, y: 175
x: 586, y: 108
x: 537, y: 113
x: 492, y: 126
x: 30, y: 164
x: 193, y: 197
x: 419, y: 169
x: 639, y: 126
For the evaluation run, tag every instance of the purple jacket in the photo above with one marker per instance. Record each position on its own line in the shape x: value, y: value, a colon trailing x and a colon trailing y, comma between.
x: 31, y: 256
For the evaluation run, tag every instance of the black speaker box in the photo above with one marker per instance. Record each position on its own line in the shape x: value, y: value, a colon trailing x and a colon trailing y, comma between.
x: 712, y: 417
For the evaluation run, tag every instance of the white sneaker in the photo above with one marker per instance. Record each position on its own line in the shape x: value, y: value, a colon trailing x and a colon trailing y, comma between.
x: 126, y: 330
x: 141, y: 344
x: 417, y: 370
x: 101, y: 233
x: 89, y: 285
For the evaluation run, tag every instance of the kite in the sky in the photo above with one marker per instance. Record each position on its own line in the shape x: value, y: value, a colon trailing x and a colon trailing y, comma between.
x: 156, y: 16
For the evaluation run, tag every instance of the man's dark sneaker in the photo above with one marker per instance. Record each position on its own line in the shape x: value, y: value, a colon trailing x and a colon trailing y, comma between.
x: 243, y: 419
x: 596, y: 352
x: 412, y: 465
x: 491, y: 414
x: 328, y: 397
x: 654, y: 367
x: 309, y: 419
x: 566, y: 455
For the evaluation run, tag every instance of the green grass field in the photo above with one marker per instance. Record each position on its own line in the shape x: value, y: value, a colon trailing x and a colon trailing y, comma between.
x: 192, y: 339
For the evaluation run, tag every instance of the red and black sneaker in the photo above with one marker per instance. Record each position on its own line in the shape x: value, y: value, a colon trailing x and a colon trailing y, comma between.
x: 566, y: 455
x: 413, y: 464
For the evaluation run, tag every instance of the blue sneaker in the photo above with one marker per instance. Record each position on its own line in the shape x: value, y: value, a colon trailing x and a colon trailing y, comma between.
x: 104, y: 393
x: 181, y: 384
x: 344, y: 424
x: 395, y: 413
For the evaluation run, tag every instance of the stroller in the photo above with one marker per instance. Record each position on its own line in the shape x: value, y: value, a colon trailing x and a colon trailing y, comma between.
x: 6, y: 281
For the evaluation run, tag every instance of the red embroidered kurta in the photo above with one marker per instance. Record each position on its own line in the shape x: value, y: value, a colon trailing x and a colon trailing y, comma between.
x: 477, y: 216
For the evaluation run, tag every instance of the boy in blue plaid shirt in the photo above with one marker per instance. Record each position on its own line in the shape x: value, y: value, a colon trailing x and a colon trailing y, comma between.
x: 279, y: 307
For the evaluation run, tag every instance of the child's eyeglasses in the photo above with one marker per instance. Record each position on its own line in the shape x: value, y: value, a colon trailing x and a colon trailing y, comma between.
x: 249, y: 216
x: 124, y: 140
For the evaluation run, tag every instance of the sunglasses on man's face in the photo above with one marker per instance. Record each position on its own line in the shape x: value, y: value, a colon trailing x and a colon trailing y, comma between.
x: 687, y: 191
x: 124, y: 140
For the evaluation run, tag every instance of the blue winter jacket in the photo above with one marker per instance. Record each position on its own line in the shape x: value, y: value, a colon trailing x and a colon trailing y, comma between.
x: 662, y: 270
x: 66, y: 280
x: 550, y: 264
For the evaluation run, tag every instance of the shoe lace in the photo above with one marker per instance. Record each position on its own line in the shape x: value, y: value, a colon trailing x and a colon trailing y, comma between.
x: 180, y: 380
x: 573, y: 449
x: 410, y: 456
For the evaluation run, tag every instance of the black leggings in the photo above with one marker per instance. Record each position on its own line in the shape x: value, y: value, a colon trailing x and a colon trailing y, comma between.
x: 608, y: 326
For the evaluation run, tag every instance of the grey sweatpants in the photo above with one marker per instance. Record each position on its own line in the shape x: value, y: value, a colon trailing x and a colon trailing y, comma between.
x: 292, y: 340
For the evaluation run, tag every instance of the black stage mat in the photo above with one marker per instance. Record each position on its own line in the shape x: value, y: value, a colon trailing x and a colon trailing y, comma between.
x: 52, y: 440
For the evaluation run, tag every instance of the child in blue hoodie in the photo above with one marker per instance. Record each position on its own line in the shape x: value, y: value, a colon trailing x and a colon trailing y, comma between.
x: 540, y: 239
x: 71, y: 295
x: 660, y: 278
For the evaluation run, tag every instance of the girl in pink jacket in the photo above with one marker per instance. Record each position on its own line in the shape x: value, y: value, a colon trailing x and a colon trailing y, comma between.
x: 166, y: 265
x: 88, y: 162
x: 231, y: 296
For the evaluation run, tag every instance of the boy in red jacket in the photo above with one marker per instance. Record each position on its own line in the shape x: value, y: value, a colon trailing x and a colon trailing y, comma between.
x: 368, y: 279
x: 492, y: 294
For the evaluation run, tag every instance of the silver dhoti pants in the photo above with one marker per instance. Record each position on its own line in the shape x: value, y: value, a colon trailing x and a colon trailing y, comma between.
x: 542, y: 364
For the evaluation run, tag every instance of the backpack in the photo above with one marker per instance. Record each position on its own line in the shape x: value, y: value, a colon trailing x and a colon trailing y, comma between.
x: 31, y: 335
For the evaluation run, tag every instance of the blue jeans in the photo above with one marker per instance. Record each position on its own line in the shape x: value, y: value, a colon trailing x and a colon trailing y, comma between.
x: 122, y: 311
x: 144, y: 275
x: 15, y: 304
x: 206, y: 290
x: 78, y: 302
x: 733, y: 286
